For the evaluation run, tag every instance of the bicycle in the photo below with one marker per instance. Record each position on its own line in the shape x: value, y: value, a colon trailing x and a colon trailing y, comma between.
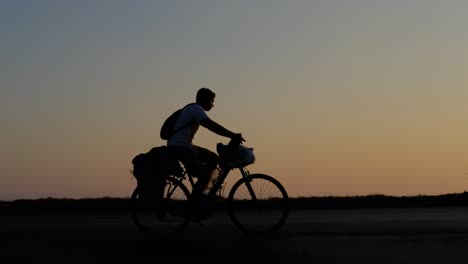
x: 257, y: 203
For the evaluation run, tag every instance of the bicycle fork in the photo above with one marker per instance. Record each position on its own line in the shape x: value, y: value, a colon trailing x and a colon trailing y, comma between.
x: 246, y: 175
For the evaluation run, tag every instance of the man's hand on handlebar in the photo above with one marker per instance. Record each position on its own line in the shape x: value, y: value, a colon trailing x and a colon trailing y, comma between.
x: 237, y: 139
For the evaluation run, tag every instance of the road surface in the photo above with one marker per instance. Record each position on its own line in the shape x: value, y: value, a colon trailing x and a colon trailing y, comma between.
x: 409, y: 235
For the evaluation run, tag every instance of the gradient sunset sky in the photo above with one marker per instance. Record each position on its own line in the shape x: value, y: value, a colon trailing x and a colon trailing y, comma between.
x: 340, y: 98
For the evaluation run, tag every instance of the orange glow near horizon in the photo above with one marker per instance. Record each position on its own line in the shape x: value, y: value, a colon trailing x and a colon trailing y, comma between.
x: 336, y: 98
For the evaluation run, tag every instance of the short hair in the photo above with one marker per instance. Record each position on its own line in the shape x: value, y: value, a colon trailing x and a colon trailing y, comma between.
x: 204, y: 94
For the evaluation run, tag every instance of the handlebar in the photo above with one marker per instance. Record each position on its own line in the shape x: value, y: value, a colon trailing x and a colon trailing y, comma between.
x: 235, y: 142
x: 234, y: 155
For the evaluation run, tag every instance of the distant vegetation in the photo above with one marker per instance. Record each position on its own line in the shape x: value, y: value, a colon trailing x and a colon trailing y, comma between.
x: 122, y: 205
x: 380, y: 201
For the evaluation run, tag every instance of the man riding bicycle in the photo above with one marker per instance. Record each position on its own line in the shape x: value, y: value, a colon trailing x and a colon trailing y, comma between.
x: 199, y: 161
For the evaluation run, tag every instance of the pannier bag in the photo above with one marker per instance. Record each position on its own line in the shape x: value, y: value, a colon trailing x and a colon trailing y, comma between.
x: 150, y: 169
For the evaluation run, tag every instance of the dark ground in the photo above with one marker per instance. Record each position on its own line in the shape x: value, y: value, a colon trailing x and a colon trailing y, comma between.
x: 340, y: 233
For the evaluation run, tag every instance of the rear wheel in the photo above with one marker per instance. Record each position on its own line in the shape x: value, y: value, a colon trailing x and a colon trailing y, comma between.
x: 258, y: 204
x: 164, y: 217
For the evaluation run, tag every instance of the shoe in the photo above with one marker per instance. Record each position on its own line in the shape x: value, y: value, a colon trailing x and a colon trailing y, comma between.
x: 200, y: 206
x: 203, y: 207
x: 198, y: 211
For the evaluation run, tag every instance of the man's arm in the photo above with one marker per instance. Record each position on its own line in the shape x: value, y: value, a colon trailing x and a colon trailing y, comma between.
x: 218, y: 129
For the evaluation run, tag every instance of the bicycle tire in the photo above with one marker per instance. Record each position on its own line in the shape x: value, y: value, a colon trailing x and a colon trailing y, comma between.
x: 169, y: 217
x: 265, y: 213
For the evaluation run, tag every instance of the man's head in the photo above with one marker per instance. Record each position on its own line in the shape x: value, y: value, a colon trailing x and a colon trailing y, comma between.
x: 205, y: 98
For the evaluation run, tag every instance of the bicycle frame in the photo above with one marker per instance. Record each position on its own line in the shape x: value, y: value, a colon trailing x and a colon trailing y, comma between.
x: 224, y: 172
x: 245, y: 207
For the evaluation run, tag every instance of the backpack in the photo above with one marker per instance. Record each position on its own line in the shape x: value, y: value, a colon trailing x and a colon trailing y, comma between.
x: 167, y: 129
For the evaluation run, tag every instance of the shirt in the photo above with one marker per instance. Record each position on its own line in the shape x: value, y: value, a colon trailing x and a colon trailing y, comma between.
x: 192, y: 114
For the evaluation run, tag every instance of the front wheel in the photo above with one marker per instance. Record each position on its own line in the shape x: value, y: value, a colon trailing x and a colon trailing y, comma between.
x: 258, y: 204
x: 165, y: 217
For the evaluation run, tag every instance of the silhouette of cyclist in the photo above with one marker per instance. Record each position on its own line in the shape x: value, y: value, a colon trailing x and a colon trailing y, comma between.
x: 199, y: 161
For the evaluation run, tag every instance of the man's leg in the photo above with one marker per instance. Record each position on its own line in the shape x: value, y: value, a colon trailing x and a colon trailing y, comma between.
x: 191, y: 158
x: 201, y: 201
x: 209, y: 161
x: 200, y: 163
